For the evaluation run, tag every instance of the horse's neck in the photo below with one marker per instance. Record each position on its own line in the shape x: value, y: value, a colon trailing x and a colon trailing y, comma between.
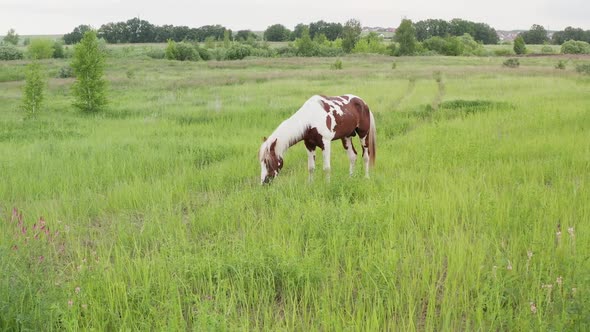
x: 288, y: 133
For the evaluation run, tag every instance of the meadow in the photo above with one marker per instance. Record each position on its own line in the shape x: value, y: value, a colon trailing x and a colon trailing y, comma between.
x: 150, y: 216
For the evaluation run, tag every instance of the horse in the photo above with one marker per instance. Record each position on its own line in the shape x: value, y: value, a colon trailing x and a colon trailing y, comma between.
x: 317, y: 123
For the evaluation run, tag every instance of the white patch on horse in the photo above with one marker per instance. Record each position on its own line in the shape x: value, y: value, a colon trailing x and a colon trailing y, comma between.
x: 332, y: 121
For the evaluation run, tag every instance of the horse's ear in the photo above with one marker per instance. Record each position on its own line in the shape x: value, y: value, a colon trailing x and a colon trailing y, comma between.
x: 263, y: 139
x: 272, y: 145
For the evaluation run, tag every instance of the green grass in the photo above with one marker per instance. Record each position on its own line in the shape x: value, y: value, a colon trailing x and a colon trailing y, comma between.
x: 163, y: 224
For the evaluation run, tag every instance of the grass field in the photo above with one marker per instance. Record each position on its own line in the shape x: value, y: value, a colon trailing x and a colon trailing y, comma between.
x: 476, y: 216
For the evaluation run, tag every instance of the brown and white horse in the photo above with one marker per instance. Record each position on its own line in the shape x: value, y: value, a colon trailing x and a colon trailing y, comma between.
x: 317, y: 123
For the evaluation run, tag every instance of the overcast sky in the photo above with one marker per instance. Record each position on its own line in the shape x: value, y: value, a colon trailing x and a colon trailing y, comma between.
x: 62, y: 16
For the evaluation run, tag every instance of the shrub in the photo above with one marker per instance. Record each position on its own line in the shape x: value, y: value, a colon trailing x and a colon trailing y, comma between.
x: 393, y: 65
x: 560, y: 65
x: 519, y: 46
x: 204, y: 54
x: 546, y: 49
x: 575, y: 47
x: 186, y: 52
x: 156, y: 53
x: 287, y: 51
x: 470, y: 46
x: 58, y: 50
x: 371, y: 43
x: 33, y: 90
x: 503, y: 52
x: 583, y: 68
x: 170, y: 51
x: 453, y: 46
x: 305, y: 46
x: 511, y: 63
x: 65, y: 72
x: 10, y: 52
x: 40, y: 49
x: 238, y: 52
x: 436, y: 44
x: 217, y: 53
x: 337, y: 65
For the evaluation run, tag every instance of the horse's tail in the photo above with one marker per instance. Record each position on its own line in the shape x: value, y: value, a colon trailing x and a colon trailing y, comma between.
x: 372, y: 140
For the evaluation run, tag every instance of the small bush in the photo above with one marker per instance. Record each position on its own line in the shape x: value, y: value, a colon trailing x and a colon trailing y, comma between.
x: 511, y: 63
x: 10, y: 52
x: 503, y: 52
x: 238, y: 52
x: 40, y: 49
x: 337, y: 65
x: 560, y: 65
x: 575, y: 47
x: 186, y: 52
x: 287, y: 51
x: 170, y: 51
x: 583, y: 68
x: 58, y: 50
x: 65, y: 72
x: 546, y: 49
x: 204, y: 54
x: 156, y: 53
x: 393, y: 65
x: 519, y: 45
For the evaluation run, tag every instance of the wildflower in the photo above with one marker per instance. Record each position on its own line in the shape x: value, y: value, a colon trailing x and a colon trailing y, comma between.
x: 533, y: 308
x: 570, y: 230
x: 70, y: 303
x: 41, y: 259
x: 547, y: 286
x: 494, y: 269
x: 529, y: 254
x: 77, y: 290
x: 509, y: 267
x: 559, y: 281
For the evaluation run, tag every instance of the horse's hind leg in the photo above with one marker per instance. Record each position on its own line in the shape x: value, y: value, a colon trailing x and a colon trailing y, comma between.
x: 347, y: 144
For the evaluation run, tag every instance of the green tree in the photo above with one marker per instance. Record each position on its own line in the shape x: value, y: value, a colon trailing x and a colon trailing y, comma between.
x: 33, y: 90
x: 171, y: 50
x: 226, y: 38
x: 88, y: 64
x: 76, y: 35
x: 405, y: 35
x: 58, y: 49
x: 351, y: 33
x: 305, y: 46
x: 536, y: 35
x: 11, y: 37
x: 277, y: 32
x: 519, y: 45
x: 40, y: 49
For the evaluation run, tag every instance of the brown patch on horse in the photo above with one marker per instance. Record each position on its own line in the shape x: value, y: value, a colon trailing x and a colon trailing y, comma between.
x: 313, y: 139
x: 329, y: 122
x: 351, y: 120
x: 326, y: 106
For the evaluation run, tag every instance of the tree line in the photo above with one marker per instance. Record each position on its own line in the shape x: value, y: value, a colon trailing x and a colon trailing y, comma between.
x: 136, y: 30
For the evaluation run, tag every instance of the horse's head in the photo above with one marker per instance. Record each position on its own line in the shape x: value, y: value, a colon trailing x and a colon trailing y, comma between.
x: 270, y: 163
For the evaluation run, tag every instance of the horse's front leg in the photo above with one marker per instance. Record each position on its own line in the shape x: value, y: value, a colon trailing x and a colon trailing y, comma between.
x: 311, y: 162
x: 326, y: 157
